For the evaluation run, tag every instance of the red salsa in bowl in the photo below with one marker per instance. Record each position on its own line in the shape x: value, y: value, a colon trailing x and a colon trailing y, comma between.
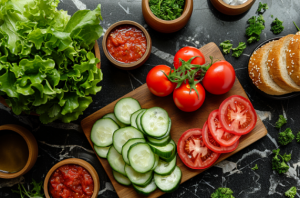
x: 71, y: 181
x: 126, y: 43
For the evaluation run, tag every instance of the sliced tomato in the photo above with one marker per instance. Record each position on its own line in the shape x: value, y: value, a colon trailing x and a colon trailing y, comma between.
x: 193, y: 152
x: 218, y: 133
x: 213, y: 145
x: 237, y: 115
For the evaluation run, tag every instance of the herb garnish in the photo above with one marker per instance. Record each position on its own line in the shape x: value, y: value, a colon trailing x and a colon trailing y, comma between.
x: 226, y: 45
x: 298, y: 137
x: 262, y: 7
x: 255, y: 167
x: 277, y: 26
x: 36, y: 191
x: 256, y: 26
x: 222, y: 193
x: 291, y: 192
x: 237, y: 52
x: 296, y: 26
x: 281, y: 121
x: 167, y: 9
x: 286, y: 137
x: 280, y: 165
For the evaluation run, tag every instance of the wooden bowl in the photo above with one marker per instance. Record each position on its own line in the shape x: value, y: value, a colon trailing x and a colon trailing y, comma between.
x: 97, y: 54
x: 133, y: 65
x: 230, y: 9
x: 32, y: 148
x: 167, y: 26
x: 74, y: 161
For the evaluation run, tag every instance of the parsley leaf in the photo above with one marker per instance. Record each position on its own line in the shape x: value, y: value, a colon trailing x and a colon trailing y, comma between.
x: 296, y: 26
x: 280, y: 165
x: 255, y: 167
x: 167, y: 9
x: 281, y: 121
x: 286, y: 137
x: 36, y: 192
x: 277, y: 26
x: 262, y: 7
x: 222, y: 193
x: 226, y: 45
x: 256, y: 26
x: 298, y: 137
x: 291, y: 192
x: 237, y: 52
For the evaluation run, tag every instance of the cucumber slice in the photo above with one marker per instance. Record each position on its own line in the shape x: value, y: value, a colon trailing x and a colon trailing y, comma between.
x: 138, y: 120
x: 133, y: 118
x: 102, y: 132
x: 168, y: 183
x: 121, y: 178
x: 116, y: 161
x: 127, y: 145
x: 156, y: 162
x: 163, y: 151
x: 168, y: 132
x: 174, y: 153
x: 162, y: 142
x: 140, y: 179
x: 147, y: 189
x: 101, y: 151
x: 165, y: 168
x: 113, y: 117
x: 141, y: 157
x: 124, y: 108
x: 122, y: 135
x: 155, y: 122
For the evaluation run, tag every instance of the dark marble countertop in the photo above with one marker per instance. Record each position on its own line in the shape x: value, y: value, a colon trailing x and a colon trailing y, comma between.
x: 58, y: 141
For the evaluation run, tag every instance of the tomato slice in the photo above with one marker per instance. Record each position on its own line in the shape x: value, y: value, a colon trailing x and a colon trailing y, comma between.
x: 218, y: 133
x: 237, y: 115
x: 193, y: 152
x: 213, y: 145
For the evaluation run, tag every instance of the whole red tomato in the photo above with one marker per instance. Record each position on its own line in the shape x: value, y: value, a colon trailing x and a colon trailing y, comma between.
x: 158, y: 83
x: 186, y: 53
x: 219, y: 78
x: 188, y: 101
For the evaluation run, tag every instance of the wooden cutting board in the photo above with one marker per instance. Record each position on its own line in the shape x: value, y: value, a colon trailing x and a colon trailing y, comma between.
x: 181, y: 121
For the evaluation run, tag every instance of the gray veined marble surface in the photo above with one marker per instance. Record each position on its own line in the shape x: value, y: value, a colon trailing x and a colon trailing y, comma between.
x: 58, y: 141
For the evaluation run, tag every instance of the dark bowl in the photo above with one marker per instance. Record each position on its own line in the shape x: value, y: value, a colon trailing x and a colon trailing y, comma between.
x: 274, y: 97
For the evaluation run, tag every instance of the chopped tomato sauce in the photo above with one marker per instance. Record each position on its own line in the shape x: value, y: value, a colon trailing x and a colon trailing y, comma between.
x: 126, y: 43
x: 71, y: 181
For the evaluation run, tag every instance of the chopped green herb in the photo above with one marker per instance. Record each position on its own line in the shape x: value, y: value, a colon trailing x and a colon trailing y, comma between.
x: 280, y: 165
x: 281, y: 121
x: 167, y: 9
x: 296, y: 26
x: 291, y: 192
x: 255, y: 167
x: 262, y: 7
x: 298, y: 137
x: 237, y: 52
x: 222, y: 193
x: 286, y: 137
x: 226, y: 45
x: 272, y: 16
x: 256, y: 26
x: 277, y: 26
x: 36, y: 191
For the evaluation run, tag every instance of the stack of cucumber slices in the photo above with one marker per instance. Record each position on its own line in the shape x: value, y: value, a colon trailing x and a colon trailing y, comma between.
x: 138, y: 146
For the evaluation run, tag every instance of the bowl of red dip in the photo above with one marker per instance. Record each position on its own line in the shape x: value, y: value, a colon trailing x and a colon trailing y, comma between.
x: 127, y: 45
x: 72, y: 178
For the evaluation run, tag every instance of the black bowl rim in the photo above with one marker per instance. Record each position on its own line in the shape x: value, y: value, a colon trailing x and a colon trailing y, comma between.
x: 275, y: 97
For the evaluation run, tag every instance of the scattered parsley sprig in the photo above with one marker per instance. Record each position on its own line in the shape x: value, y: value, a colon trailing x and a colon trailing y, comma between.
x: 256, y: 26
x: 291, y: 192
x: 281, y: 121
x: 286, y: 137
x: 237, y: 52
x: 278, y: 164
x: 36, y: 191
x: 277, y: 26
x: 255, y: 167
x: 296, y: 26
x: 222, y: 193
x: 227, y: 46
x: 298, y: 137
x: 262, y: 7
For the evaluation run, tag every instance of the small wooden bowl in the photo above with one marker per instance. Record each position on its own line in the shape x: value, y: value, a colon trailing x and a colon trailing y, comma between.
x: 133, y: 65
x: 32, y: 148
x: 167, y: 26
x: 75, y: 161
x: 230, y: 9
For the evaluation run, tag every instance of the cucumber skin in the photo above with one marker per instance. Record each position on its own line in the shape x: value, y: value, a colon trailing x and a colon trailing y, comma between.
x: 168, y: 132
x: 121, y: 126
x: 173, y: 189
x: 130, y: 115
x: 112, y: 134
x: 160, y: 154
x: 102, y: 156
x: 138, y: 125
x: 150, y: 149
x: 159, y: 144
x: 168, y: 173
x: 141, y: 192
x: 111, y: 165
x: 146, y: 183
x: 120, y: 182
x: 173, y: 154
